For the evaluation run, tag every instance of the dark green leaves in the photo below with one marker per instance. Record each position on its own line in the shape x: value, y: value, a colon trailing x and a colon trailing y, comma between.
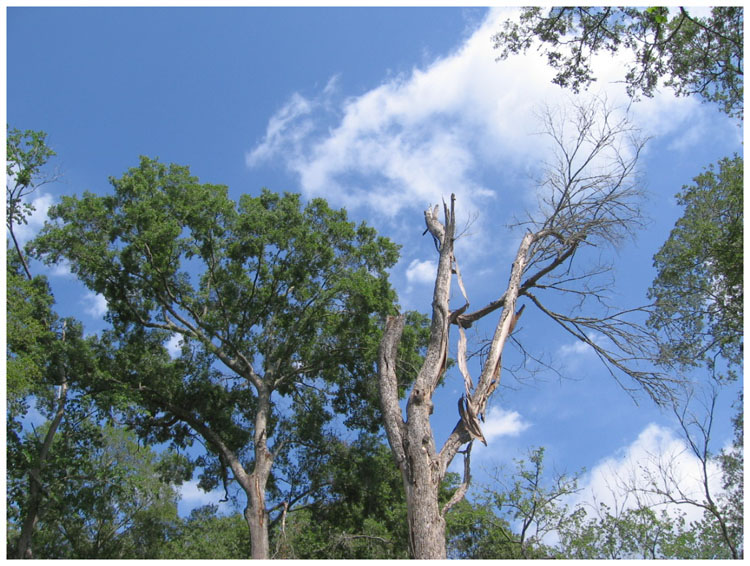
x: 272, y: 298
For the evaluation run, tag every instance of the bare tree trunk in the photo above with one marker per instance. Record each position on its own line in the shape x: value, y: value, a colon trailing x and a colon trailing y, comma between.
x: 421, y: 482
x: 412, y: 444
x: 414, y: 450
x: 582, y: 203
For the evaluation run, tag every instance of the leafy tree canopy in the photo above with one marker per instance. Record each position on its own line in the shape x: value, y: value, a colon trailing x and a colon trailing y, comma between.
x: 699, y: 284
x: 106, y: 496
x: 694, y: 55
x: 277, y: 305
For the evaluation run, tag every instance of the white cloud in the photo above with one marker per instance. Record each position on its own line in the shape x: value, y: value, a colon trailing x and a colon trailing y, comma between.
x: 61, y: 269
x: 418, y: 137
x: 279, y: 129
x: 576, y: 348
x: 96, y: 305
x: 656, y: 454
x: 499, y: 422
x: 422, y: 272
x: 35, y: 221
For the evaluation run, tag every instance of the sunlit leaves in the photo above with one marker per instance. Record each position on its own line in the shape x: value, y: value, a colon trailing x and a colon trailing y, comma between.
x: 699, y: 284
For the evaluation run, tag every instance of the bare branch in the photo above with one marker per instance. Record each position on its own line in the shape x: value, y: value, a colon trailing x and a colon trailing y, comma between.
x: 460, y: 492
x: 388, y: 384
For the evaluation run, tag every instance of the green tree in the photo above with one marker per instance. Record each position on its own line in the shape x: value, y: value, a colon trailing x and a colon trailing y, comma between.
x: 530, y: 515
x: 206, y: 535
x: 636, y: 533
x: 362, y: 514
x: 287, y: 298
x: 109, y: 497
x: 698, y: 289
x: 475, y: 532
x: 694, y: 55
x: 44, y: 352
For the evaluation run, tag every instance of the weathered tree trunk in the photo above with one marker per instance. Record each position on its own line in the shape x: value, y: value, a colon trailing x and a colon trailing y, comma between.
x: 414, y: 449
x: 412, y: 444
x: 422, y: 466
x: 422, y: 477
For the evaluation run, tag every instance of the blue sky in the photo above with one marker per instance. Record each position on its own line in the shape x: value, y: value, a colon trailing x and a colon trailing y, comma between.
x: 383, y: 111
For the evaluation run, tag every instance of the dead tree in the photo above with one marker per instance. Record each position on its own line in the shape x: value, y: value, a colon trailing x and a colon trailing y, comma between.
x: 589, y: 197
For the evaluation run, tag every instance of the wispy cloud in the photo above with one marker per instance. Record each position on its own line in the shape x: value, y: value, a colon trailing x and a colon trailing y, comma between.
x: 418, y: 137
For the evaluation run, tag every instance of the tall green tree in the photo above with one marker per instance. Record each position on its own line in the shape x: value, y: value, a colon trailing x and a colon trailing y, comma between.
x: 698, y: 289
x: 288, y: 299
x: 108, y: 496
x: 45, y: 354
x: 695, y: 55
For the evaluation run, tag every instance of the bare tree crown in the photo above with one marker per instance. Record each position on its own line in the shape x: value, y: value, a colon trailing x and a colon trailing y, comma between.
x: 589, y: 196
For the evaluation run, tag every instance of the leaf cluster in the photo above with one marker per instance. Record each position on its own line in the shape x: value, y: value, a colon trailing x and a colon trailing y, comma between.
x: 694, y: 55
x: 698, y: 289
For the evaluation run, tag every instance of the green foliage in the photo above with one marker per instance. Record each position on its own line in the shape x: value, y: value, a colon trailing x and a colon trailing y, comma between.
x: 512, y: 522
x: 529, y: 517
x: 265, y: 278
x: 698, y: 289
x: 105, y: 495
x: 29, y: 335
x: 474, y: 531
x: 288, y: 297
x: 638, y: 533
x: 732, y: 461
x: 363, y: 513
x: 26, y: 154
x: 694, y: 55
x: 206, y: 535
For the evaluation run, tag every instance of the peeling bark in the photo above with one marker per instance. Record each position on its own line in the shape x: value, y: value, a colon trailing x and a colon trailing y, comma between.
x: 422, y: 467
x: 591, y: 198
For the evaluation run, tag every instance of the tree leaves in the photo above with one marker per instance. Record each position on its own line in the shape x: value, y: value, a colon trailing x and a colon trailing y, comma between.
x: 287, y: 296
x: 699, y: 284
x: 694, y: 55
